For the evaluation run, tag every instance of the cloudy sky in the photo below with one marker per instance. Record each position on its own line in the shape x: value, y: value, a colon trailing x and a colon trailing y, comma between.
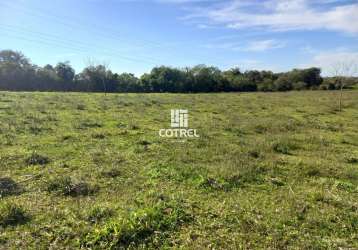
x: 136, y: 35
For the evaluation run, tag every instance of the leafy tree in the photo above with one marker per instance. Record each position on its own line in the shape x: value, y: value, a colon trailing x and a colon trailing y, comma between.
x: 299, y: 85
x: 16, y: 71
x: 127, y: 82
x: 266, y: 85
x: 206, y: 79
x: 311, y: 77
x: 47, y: 79
x: 283, y: 83
x: 166, y: 79
x: 97, y: 78
x: 65, y: 74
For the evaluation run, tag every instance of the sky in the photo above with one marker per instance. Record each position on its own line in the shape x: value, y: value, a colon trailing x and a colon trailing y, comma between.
x: 137, y: 35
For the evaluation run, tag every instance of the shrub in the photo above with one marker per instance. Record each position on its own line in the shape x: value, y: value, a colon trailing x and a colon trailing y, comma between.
x: 266, y: 85
x: 313, y: 171
x: 66, y: 137
x: 323, y: 87
x: 299, y: 86
x: 98, y: 136
x: 144, y: 142
x: 351, y: 159
x: 81, y: 107
x: 283, y: 83
x: 36, y: 159
x: 82, y: 189
x: 99, y: 213
x: 12, y: 214
x: 88, y: 124
x: 346, y: 186
x: 254, y: 154
x: 284, y: 146
x: 211, y: 183
x: 62, y: 184
x: 111, y: 173
x: 147, y: 227
x: 8, y: 187
x: 260, y: 129
x: 245, y: 176
x: 65, y: 186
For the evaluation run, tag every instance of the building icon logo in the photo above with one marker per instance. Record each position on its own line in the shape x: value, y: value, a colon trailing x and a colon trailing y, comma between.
x: 179, y: 123
x: 179, y: 118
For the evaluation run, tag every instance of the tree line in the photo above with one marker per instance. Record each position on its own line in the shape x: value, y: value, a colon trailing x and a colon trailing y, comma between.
x: 17, y: 73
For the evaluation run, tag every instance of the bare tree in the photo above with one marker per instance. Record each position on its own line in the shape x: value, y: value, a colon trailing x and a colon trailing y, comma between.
x: 341, y: 71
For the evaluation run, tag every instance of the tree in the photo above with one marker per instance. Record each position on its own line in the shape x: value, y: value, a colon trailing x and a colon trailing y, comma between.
x: 165, y: 79
x: 233, y: 77
x: 97, y: 78
x: 253, y: 76
x: 341, y: 71
x: 66, y: 75
x: 311, y: 77
x: 283, y: 83
x: 16, y: 71
x: 206, y: 79
x: 127, y: 83
x: 47, y: 79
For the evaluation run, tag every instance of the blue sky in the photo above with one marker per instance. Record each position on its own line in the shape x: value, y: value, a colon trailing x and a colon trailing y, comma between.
x: 136, y: 35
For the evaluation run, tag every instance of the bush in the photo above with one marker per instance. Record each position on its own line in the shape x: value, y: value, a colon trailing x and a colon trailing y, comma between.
x: 98, y: 136
x: 284, y: 146
x: 99, y: 213
x: 111, y: 173
x: 147, y: 227
x: 266, y: 85
x: 299, y: 86
x: 244, y: 177
x: 351, y: 159
x: 283, y: 83
x: 8, y: 187
x: 36, y: 159
x: 323, y: 87
x: 65, y: 186
x: 12, y: 214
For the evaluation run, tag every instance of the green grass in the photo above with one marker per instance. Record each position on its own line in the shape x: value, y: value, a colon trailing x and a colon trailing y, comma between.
x: 269, y: 171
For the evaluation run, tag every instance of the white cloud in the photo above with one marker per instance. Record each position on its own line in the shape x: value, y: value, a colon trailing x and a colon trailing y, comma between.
x: 252, y: 46
x: 308, y: 50
x: 264, y: 45
x: 253, y: 64
x: 284, y: 15
x: 205, y: 26
x: 327, y: 60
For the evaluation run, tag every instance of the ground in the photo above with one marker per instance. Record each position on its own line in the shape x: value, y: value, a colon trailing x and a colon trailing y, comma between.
x: 270, y: 170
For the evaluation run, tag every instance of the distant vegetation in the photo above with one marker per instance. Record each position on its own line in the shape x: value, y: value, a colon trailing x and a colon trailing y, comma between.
x: 17, y: 73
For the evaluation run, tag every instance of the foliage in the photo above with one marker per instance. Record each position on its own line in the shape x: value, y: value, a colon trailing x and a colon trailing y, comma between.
x: 12, y: 214
x: 8, y: 187
x: 19, y: 74
x: 37, y: 159
x: 66, y: 186
x: 147, y: 227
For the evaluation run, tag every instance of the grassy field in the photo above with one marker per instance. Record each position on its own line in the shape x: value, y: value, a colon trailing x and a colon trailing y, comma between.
x: 269, y: 171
